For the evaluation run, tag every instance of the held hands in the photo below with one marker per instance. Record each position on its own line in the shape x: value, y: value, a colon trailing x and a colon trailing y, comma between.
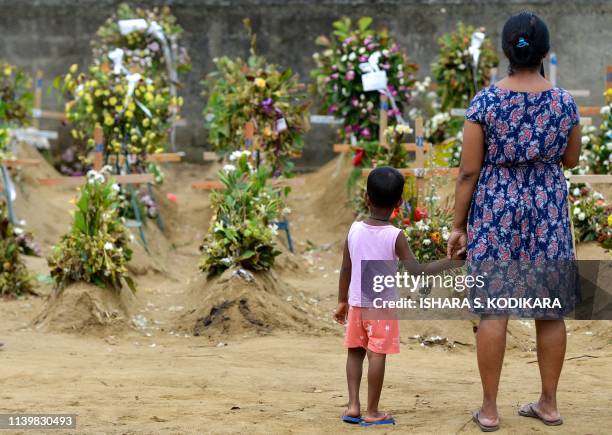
x: 457, y: 244
x: 341, y: 312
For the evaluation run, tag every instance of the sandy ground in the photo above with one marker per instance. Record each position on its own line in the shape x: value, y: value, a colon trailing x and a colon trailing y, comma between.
x: 155, y: 376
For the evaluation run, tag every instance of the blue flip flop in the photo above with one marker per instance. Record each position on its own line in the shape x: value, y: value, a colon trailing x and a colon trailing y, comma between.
x: 351, y: 420
x: 378, y: 423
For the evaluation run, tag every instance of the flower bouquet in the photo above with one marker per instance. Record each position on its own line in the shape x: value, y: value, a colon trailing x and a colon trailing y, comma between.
x: 133, y: 112
x: 338, y: 75
x: 428, y: 236
x: 14, y: 277
x: 96, y: 250
x: 589, y: 213
x: 458, y: 78
x: 596, y: 156
x: 146, y: 46
x: 15, y: 95
x: 253, y: 90
x: 242, y: 231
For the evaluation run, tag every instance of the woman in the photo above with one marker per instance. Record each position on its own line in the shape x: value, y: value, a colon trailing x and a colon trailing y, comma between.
x: 511, y: 199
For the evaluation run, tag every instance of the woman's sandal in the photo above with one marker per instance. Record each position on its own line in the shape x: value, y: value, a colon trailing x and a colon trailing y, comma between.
x: 483, y: 427
x: 529, y: 410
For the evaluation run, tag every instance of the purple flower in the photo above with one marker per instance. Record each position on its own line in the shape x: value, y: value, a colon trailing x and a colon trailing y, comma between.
x: 371, y: 46
x: 350, y: 75
x: 153, y: 46
x: 385, y: 66
x: 394, y: 48
x: 367, y: 40
x: 363, y: 58
x: 355, y: 102
x: 267, y: 103
x: 348, y: 129
x: 334, y: 67
x: 365, y: 133
x: 356, y: 128
x: 332, y: 109
x: 334, y: 76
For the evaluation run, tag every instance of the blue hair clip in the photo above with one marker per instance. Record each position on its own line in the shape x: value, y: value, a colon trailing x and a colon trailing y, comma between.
x: 522, y: 43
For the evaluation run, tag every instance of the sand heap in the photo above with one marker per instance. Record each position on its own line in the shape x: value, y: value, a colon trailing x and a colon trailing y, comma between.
x: 86, y: 309
x: 239, y: 302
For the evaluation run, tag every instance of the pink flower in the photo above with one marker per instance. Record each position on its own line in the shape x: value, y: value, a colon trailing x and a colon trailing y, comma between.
x: 171, y: 197
x: 355, y: 102
x: 366, y: 133
x: 350, y: 75
x: 363, y: 58
x: 332, y: 109
x: 334, y: 76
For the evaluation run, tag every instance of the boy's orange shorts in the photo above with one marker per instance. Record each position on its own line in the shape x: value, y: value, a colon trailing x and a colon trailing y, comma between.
x: 378, y: 335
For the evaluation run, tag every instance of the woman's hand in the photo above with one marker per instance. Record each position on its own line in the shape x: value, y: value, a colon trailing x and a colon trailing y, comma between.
x: 457, y: 243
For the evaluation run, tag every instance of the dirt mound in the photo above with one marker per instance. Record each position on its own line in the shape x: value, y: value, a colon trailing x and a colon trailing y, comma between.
x: 239, y: 303
x: 86, y: 309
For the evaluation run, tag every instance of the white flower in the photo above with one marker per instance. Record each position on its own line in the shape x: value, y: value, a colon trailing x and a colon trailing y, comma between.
x: 585, y: 140
x: 116, y: 187
x: 597, y: 195
x: 352, y: 56
x: 577, y: 210
x: 343, y: 58
x: 18, y: 230
x: 286, y: 210
x: 385, y: 52
x: 362, y: 50
x: 581, y: 216
x: 426, y: 242
x: 445, y: 236
x: 605, y: 110
x: 108, y: 246
x: 462, y: 66
x: 235, y: 155
x: 218, y: 226
x: 576, y: 191
x: 229, y: 168
x: 273, y: 228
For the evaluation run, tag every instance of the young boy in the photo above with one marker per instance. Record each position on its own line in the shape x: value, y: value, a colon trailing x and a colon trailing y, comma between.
x: 373, y: 239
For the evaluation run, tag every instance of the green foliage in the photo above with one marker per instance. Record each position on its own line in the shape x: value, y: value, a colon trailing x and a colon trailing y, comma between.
x: 590, y: 214
x: 253, y: 90
x: 427, y: 237
x: 15, y: 95
x: 142, y: 50
x: 596, y: 156
x: 242, y: 232
x: 453, y: 70
x: 14, y: 277
x: 338, y: 76
x: 96, y: 250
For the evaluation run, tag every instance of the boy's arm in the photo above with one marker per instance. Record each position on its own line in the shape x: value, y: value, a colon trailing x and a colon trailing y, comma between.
x: 413, y: 266
x: 343, y: 285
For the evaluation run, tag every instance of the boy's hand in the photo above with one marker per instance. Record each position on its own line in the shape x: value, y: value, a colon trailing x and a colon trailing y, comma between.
x: 341, y: 312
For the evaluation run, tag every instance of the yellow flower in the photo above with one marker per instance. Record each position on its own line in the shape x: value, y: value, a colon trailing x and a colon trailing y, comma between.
x: 7, y: 70
x: 155, y: 121
x: 149, y: 97
x: 260, y: 83
x: 74, y: 133
x: 146, y: 122
x: 610, y: 220
x: 98, y: 92
x: 89, y: 109
x: 118, y: 108
x: 108, y: 120
x: 112, y: 101
x: 91, y: 142
x: 131, y: 106
x: 129, y: 114
x: 267, y: 131
x: 73, y: 68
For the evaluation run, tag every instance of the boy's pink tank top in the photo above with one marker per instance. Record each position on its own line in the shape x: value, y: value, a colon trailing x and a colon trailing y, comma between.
x: 368, y: 242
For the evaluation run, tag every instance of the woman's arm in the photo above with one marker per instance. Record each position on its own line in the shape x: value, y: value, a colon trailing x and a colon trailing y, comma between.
x: 469, y: 171
x: 571, y: 155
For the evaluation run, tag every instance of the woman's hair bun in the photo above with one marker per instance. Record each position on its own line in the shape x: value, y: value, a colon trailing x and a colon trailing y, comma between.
x: 525, y: 41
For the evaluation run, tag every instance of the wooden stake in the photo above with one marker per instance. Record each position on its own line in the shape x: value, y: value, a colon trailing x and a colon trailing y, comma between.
x: 38, y: 93
x: 384, y: 106
x: 99, y: 148
x: 420, y: 158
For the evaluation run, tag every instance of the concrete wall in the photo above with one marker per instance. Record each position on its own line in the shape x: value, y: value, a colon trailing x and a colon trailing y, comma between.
x: 53, y: 34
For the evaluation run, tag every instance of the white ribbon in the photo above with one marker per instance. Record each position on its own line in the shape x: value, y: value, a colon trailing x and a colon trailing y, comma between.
x: 475, y: 44
x: 132, y: 80
x: 116, y: 56
x: 128, y: 26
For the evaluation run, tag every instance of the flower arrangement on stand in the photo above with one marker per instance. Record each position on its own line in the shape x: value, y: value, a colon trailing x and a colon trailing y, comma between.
x: 15, y: 95
x: 428, y: 236
x: 457, y: 77
x: 596, y: 156
x: 96, y: 250
x: 591, y: 215
x: 15, y: 280
x: 255, y: 91
x: 143, y: 46
x: 338, y: 75
x: 242, y: 231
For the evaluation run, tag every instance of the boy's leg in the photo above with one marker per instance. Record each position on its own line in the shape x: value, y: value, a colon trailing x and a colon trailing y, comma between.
x: 354, y: 369
x: 376, y: 376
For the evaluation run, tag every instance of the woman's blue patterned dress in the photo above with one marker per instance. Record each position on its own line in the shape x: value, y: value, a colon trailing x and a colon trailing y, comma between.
x: 519, y: 233
x: 519, y: 210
